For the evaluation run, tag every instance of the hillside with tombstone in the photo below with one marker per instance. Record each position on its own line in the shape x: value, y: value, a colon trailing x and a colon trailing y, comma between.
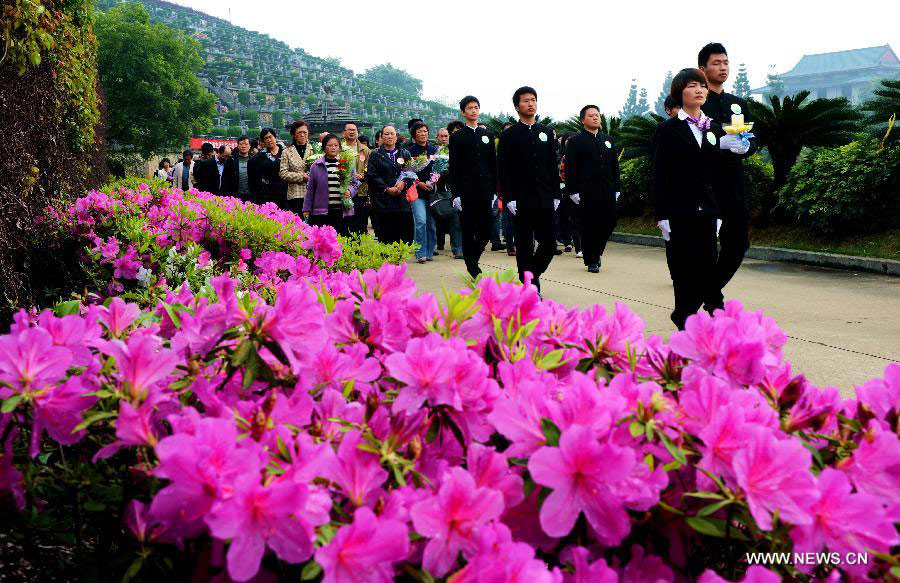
x: 259, y: 81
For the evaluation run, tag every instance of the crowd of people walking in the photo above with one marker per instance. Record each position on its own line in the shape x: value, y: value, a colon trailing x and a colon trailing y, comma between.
x: 537, y: 189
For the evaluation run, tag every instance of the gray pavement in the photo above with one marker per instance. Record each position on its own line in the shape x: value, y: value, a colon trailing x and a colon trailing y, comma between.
x: 844, y: 326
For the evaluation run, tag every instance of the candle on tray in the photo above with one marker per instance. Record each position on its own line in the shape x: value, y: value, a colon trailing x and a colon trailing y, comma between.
x: 737, y: 119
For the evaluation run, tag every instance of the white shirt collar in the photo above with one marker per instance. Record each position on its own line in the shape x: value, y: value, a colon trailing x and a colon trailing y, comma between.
x: 683, y: 116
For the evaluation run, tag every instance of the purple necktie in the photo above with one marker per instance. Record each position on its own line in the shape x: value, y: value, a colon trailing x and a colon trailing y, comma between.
x: 702, y: 123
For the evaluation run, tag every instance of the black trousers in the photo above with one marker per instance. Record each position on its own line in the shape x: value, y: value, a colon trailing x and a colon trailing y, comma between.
x: 534, y: 225
x: 335, y: 218
x: 734, y: 242
x: 598, y: 219
x: 691, y: 255
x: 359, y: 222
x: 395, y: 227
x: 476, y: 223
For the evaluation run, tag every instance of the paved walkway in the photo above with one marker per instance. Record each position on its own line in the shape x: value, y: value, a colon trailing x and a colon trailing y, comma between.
x: 844, y: 327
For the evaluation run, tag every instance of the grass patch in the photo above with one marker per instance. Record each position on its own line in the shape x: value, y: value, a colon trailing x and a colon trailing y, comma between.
x: 884, y: 245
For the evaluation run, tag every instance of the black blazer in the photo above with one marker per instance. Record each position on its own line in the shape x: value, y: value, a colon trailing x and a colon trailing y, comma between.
x: 719, y: 107
x: 527, y: 166
x: 265, y: 183
x: 473, y: 164
x: 381, y: 174
x: 206, y: 175
x: 592, y: 167
x: 686, y: 176
x: 230, y: 177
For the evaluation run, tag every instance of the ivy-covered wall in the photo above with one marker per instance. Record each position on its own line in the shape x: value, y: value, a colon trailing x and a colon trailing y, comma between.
x: 51, y: 120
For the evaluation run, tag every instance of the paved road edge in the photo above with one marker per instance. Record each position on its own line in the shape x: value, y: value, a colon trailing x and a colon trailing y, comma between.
x: 832, y: 260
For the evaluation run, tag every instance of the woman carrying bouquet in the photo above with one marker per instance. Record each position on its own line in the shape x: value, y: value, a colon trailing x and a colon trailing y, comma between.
x: 331, y: 182
x: 684, y: 186
x: 423, y: 219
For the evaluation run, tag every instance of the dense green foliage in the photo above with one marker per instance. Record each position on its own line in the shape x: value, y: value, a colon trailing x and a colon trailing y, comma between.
x: 148, y: 70
x: 884, y: 103
x: 398, y: 78
x: 850, y: 189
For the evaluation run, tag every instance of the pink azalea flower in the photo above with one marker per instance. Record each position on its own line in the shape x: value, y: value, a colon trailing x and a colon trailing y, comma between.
x: 587, y: 571
x: 646, y: 568
x: 580, y: 472
x: 119, y: 316
x: 882, y: 395
x: 365, y: 551
x: 491, y: 470
x: 754, y: 574
x: 134, y: 427
x: 141, y: 363
x: 126, y: 266
x: 451, y: 519
x: 29, y: 361
x: 323, y: 242
x: 256, y: 516
x: 499, y: 559
x: 357, y: 472
x: 386, y: 318
x: 775, y: 477
x: 427, y: 369
x: 74, y: 332
x: 58, y: 410
x: 844, y: 522
x: 875, y: 465
x: 296, y: 323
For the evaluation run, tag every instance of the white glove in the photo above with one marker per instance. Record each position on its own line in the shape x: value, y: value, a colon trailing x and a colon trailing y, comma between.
x: 511, y: 205
x: 457, y: 204
x: 617, y: 195
x: 740, y: 148
x: 576, y: 198
x: 726, y: 142
x: 718, y: 226
x: 664, y: 227
x: 494, y: 200
x: 555, y: 203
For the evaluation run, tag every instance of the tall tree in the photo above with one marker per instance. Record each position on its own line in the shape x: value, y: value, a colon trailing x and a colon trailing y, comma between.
x: 642, y: 105
x: 278, y: 120
x: 631, y: 102
x: 742, y: 83
x: 787, y: 125
x: 660, y: 106
x: 153, y: 105
x: 884, y: 103
x: 390, y: 75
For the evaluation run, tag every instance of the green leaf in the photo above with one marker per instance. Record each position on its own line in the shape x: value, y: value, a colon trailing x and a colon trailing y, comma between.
x: 93, y: 419
x: 636, y: 429
x: 133, y: 570
x: 705, y: 495
x: 707, y: 526
x: 94, y: 506
x: 673, y: 449
x: 67, y: 308
x: 713, y: 508
x: 310, y: 571
x: 11, y: 403
x: 551, y: 432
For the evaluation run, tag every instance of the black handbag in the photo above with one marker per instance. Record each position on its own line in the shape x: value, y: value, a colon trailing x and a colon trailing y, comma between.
x: 442, y: 204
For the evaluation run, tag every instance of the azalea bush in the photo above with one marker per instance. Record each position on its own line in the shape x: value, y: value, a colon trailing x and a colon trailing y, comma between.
x: 339, y: 427
x: 138, y: 239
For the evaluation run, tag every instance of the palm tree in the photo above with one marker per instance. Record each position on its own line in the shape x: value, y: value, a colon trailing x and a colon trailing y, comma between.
x: 636, y: 135
x: 788, y: 125
x: 883, y: 105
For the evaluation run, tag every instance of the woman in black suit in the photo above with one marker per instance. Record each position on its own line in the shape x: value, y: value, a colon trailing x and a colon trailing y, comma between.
x: 685, y: 181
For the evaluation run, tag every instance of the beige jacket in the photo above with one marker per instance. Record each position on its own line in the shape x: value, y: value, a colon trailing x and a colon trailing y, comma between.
x: 292, y: 171
x: 176, y: 174
x: 362, y: 163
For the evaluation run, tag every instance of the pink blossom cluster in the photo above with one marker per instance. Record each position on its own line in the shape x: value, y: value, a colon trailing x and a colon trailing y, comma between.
x: 347, y: 423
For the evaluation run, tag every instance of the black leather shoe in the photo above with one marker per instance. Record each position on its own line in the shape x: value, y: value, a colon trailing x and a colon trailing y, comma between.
x: 594, y: 268
x: 500, y: 247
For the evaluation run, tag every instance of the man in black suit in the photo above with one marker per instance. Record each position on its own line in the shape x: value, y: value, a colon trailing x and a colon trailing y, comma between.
x: 473, y: 181
x: 592, y: 180
x: 733, y: 235
x: 206, y: 172
x: 529, y: 180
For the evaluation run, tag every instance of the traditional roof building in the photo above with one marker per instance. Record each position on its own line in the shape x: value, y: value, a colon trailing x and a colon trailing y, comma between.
x: 851, y: 74
x: 327, y: 116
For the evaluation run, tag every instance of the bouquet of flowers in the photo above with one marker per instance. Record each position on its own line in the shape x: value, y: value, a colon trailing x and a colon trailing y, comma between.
x: 345, y: 170
x: 440, y: 164
x: 313, y: 153
x: 413, y: 166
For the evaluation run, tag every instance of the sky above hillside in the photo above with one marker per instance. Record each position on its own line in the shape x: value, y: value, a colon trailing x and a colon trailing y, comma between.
x: 571, y: 54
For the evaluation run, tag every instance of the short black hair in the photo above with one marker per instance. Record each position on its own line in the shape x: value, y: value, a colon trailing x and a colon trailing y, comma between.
x: 584, y: 109
x: 710, y: 49
x: 412, y: 122
x: 266, y: 131
x: 222, y: 148
x: 681, y: 81
x: 417, y: 126
x: 187, y: 153
x: 387, y: 125
x: 455, y: 125
x: 669, y: 103
x: 363, y: 140
x: 353, y: 123
x: 242, y: 138
x: 254, y: 143
x: 378, y: 134
x: 298, y: 124
x: 328, y: 137
x: 507, y: 125
x: 207, y: 148
x: 163, y: 161
x: 467, y: 100
x: 522, y: 91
